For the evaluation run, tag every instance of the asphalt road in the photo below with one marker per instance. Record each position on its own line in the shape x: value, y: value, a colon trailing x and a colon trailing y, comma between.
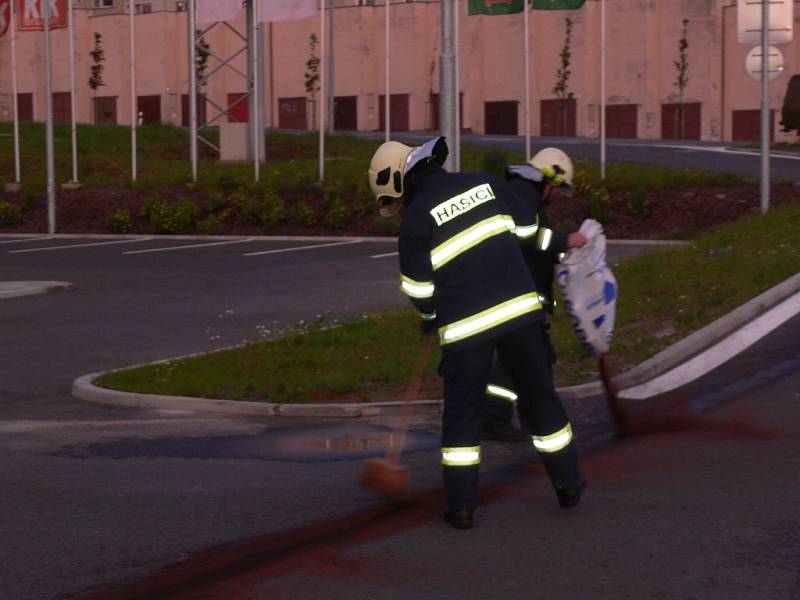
x: 91, y: 496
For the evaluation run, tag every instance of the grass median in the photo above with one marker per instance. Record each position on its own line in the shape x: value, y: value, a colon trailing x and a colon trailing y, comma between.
x: 664, y: 296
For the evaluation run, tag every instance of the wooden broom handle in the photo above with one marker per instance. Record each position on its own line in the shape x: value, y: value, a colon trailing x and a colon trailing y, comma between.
x: 411, y: 394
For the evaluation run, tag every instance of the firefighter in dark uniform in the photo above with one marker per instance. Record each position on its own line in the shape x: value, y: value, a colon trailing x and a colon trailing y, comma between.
x: 548, y: 174
x: 462, y: 267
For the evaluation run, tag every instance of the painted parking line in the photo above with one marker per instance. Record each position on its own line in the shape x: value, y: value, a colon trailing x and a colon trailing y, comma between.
x: 297, y: 248
x: 384, y: 255
x: 80, y: 245
x: 170, y: 248
x: 33, y: 239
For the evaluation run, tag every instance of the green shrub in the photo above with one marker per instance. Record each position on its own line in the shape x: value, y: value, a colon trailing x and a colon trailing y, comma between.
x: 28, y: 203
x: 363, y: 203
x: 167, y: 219
x: 211, y: 225
x: 273, y: 210
x: 638, y: 206
x: 185, y: 216
x: 216, y: 202
x: 250, y: 208
x: 239, y: 201
x: 148, y: 206
x: 338, y: 214
x: 600, y: 205
x: 120, y: 221
x: 10, y: 214
x: 304, y: 215
x: 495, y: 162
x: 581, y: 182
x: 227, y: 183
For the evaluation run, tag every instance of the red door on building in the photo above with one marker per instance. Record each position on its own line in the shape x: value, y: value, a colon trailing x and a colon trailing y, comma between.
x: 201, y: 110
x: 105, y: 110
x: 621, y: 121
x: 292, y: 113
x: 500, y: 118
x: 149, y: 108
x: 559, y: 117
x: 238, y: 108
x: 747, y: 125
x: 680, y: 121
x: 25, y: 106
x: 345, y: 113
x: 398, y: 109
x: 62, y: 107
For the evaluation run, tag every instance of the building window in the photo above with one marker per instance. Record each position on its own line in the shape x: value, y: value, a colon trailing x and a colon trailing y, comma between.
x: 180, y: 6
x: 103, y: 3
x: 143, y: 9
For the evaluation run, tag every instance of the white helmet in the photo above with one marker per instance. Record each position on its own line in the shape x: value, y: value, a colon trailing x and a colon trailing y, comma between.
x: 386, y: 171
x: 555, y: 165
x: 391, y: 162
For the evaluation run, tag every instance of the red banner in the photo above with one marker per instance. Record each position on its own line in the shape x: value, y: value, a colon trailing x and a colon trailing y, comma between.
x: 29, y: 14
x: 5, y: 16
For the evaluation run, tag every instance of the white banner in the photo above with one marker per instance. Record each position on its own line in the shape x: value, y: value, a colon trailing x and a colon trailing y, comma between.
x: 211, y: 11
x: 286, y: 10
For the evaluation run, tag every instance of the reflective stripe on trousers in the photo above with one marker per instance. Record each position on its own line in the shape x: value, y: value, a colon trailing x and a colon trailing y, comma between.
x: 555, y: 441
x: 461, y: 457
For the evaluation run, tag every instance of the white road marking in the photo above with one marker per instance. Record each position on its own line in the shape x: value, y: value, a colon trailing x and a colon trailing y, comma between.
x: 296, y: 248
x: 168, y: 248
x: 713, y: 357
x: 384, y: 255
x: 718, y: 149
x: 34, y: 239
x: 80, y: 245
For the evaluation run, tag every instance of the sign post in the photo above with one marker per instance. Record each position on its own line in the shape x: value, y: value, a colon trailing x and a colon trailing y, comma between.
x: 763, y: 22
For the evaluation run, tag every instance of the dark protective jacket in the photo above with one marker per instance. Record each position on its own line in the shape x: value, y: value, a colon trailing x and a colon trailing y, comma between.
x: 549, y: 245
x: 460, y: 257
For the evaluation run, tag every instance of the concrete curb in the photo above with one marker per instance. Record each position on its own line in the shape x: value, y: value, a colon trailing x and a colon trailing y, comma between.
x: 19, y: 289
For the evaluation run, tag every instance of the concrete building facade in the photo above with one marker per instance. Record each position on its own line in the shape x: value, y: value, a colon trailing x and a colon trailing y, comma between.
x: 720, y: 101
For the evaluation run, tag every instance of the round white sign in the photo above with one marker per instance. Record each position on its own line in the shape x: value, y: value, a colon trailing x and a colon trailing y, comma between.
x: 775, y: 63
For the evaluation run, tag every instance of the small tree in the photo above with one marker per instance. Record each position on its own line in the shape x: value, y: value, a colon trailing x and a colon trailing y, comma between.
x: 682, y: 66
x: 98, y: 56
x: 312, y: 75
x: 201, y: 59
x: 561, y: 88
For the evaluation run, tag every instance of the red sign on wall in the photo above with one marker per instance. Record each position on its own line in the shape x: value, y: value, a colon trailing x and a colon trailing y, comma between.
x: 29, y: 14
x: 5, y: 16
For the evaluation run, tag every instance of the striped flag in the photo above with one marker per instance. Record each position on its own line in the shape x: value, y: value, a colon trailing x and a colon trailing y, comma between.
x: 286, y: 10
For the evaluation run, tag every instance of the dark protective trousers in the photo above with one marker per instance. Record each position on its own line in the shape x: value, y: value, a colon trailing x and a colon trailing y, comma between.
x: 498, y: 412
x: 526, y: 357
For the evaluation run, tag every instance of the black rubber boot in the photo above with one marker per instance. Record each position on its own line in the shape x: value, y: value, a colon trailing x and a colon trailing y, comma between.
x: 569, y: 497
x: 460, y: 518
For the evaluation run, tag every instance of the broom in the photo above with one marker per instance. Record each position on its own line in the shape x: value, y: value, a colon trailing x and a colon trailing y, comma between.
x: 385, y: 476
x: 621, y: 422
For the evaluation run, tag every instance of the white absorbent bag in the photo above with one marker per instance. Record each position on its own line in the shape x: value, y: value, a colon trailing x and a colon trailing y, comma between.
x: 589, y: 289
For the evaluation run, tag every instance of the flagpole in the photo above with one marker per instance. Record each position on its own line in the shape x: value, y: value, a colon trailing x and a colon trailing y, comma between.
x: 457, y: 44
x: 14, y: 92
x: 191, y: 17
x: 134, y: 112
x: 256, y: 98
x: 322, y: 102
x: 603, y: 89
x: 386, y: 96
x: 51, y: 164
x: 72, y: 99
x: 527, y: 84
